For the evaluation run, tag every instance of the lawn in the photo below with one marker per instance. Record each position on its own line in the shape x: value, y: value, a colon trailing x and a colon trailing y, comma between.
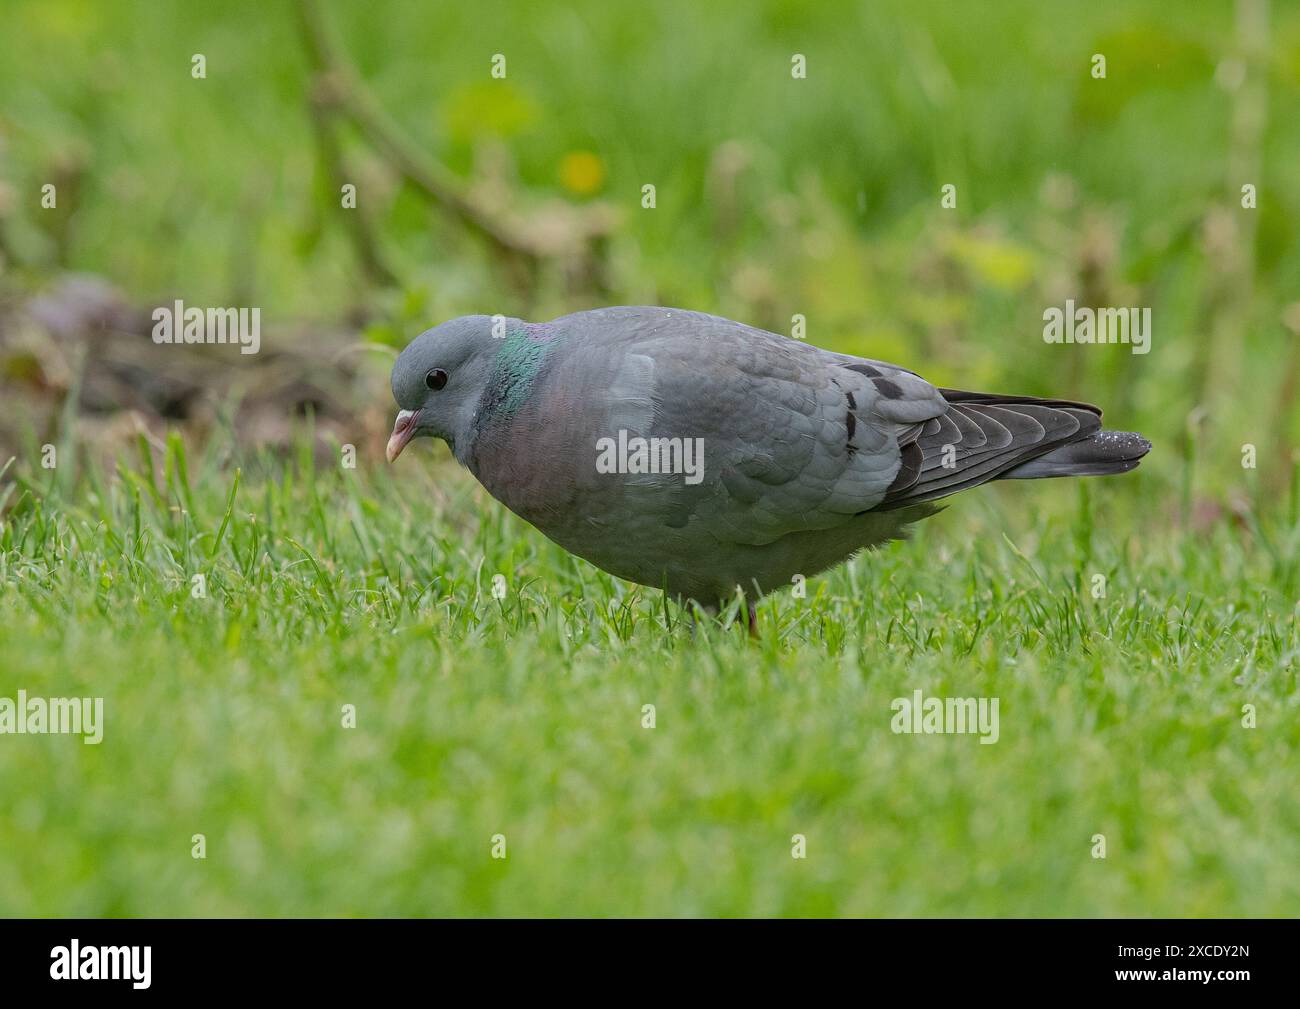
x: 524, y: 716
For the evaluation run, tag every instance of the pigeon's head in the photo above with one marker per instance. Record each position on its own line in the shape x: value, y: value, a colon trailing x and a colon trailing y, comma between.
x: 438, y: 379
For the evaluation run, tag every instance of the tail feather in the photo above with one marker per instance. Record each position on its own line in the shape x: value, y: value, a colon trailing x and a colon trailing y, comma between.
x: 1100, y: 454
x: 987, y: 436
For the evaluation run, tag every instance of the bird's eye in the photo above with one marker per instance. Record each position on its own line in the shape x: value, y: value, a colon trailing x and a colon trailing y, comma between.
x: 436, y: 379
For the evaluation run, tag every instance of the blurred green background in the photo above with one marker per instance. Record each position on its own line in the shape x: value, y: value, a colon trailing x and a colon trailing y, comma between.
x: 775, y: 197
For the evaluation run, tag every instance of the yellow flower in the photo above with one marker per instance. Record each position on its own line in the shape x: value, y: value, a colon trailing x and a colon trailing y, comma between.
x: 582, y: 172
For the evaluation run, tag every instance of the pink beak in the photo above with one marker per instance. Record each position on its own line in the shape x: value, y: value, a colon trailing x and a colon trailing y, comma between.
x: 403, y: 431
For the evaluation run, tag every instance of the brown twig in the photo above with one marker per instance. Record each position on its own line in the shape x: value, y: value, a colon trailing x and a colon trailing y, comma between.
x: 359, y: 222
x: 339, y: 88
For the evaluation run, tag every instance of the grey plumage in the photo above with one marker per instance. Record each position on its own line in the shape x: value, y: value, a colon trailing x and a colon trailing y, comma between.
x: 809, y: 456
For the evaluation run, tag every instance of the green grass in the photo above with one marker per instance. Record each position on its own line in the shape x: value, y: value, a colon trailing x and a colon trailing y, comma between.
x: 1120, y: 716
x: 522, y: 716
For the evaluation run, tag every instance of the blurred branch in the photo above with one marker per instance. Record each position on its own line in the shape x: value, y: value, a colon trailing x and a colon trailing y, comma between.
x: 360, y: 226
x: 8, y: 257
x: 1230, y: 233
x: 67, y: 172
x: 339, y: 89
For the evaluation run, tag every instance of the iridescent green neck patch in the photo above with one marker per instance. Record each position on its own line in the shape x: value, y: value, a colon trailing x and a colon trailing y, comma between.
x: 517, y: 363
